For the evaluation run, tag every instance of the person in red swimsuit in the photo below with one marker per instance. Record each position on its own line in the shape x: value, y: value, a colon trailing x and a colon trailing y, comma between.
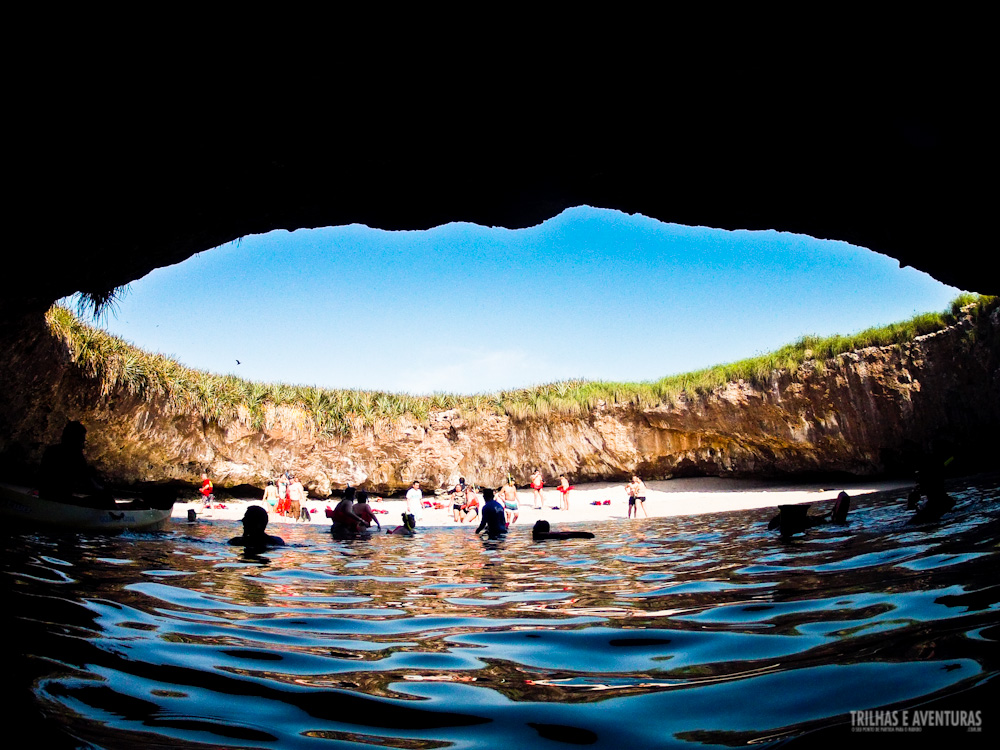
x: 564, y: 487
x: 536, y: 488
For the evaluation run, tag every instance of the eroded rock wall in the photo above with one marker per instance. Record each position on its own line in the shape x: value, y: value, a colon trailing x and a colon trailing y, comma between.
x: 864, y: 413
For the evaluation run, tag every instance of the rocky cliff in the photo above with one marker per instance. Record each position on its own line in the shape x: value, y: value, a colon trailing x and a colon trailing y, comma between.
x: 868, y: 412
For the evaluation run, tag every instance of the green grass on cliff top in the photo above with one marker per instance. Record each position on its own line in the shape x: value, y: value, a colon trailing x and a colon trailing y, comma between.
x: 122, y: 367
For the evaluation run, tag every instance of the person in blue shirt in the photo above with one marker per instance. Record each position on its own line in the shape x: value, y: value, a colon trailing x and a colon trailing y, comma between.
x: 492, y: 516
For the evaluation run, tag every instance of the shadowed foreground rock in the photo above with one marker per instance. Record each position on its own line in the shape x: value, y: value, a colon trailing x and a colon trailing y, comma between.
x: 868, y: 412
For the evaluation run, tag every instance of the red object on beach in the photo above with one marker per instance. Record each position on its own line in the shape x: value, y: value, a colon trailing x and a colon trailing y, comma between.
x: 607, y: 502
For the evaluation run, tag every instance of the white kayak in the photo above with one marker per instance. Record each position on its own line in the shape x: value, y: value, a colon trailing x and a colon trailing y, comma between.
x: 22, y: 505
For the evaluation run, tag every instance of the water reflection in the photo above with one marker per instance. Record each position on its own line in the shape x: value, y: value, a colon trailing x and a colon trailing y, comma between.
x: 710, y: 629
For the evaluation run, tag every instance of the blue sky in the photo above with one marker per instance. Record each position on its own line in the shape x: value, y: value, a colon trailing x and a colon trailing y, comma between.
x: 590, y: 293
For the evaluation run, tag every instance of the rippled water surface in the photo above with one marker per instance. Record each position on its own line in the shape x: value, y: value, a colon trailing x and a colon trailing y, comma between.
x: 687, y: 631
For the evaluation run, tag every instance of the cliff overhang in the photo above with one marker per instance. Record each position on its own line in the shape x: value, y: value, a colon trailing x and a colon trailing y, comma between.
x: 874, y: 411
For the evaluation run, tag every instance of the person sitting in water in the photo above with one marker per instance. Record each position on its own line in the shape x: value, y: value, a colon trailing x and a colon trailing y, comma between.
x: 345, y: 519
x: 938, y: 502
x: 254, y: 537
x: 65, y: 475
x: 492, y: 518
x: 841, y: 508
x: 407, y: 527
x: 793, y: 519
x: 363, y: 511
x: 541, y: 530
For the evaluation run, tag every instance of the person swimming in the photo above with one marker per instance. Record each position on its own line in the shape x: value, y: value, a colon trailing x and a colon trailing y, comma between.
x: 841, y: 508
x: 345, y: 519
x: 493, y: 518
x: 794, y: 519
x: 938, y: 502
x: 408, y: 526
x: 254, y: 537
x: 541, y: 531
x: 363, y: 511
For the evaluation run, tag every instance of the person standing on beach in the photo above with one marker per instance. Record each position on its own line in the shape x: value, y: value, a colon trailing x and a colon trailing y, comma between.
x: 297, y: 495
x: 458, y: 500
x: 636, y: 497
x: 271, y: 496
x: 536, y: 488
x: 207, y: 489
x: 283, y: 499
x: 414, y: 503
x: 564, y: 487
x: 509, y: 494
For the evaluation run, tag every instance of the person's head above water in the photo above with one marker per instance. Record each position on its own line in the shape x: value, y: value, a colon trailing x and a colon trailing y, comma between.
x: 254, y: 520
x: 349, y: 493
x: 841, y: 508
x: 361, y: 497
x: 254, y: 523
x: 487, y: 494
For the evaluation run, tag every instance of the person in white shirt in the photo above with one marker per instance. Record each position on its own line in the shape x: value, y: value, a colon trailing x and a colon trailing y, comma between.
x: 414, y: 502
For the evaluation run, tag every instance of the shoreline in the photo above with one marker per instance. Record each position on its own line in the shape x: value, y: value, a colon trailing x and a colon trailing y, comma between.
x: 664, y: 498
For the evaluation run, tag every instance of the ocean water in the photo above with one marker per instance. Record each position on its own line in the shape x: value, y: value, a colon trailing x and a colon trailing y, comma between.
x: 705, y: 631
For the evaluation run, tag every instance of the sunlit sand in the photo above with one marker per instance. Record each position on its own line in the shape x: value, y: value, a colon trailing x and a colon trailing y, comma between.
x: 676, y: 497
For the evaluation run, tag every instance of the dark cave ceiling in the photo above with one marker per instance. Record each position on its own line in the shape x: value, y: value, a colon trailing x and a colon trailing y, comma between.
x: 104, y: 206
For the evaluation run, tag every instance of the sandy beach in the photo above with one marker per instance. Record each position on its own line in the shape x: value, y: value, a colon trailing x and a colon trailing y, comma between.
x: 675, y: 497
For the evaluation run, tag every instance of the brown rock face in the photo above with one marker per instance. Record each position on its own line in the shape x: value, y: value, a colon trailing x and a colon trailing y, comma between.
x: 868, y: 412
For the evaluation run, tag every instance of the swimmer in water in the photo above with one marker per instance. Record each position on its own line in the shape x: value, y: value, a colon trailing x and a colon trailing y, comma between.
x: 345, y: 519
x: 492, y: 517
x: 541, y: 530
x: 254, y: 536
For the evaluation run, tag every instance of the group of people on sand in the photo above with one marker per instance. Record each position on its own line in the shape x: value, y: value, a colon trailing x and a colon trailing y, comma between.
x: 563, y: 487
x: 464, y: 501
x: 285, y: 496
x: 636, y: 491
x: 66, y: 477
